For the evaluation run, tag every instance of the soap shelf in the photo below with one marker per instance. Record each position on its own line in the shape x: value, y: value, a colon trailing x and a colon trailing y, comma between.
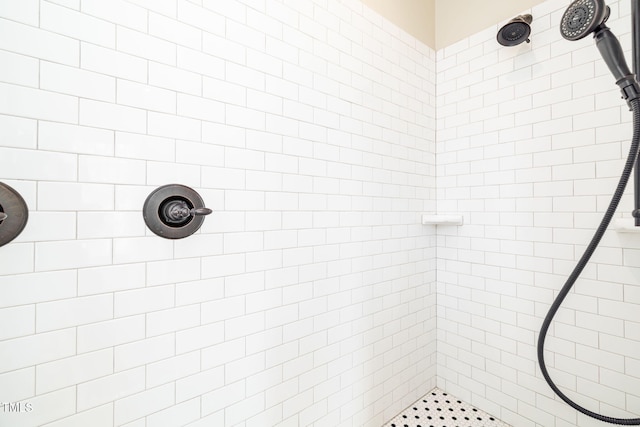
x: 625, y: 225
x: 442, y: 219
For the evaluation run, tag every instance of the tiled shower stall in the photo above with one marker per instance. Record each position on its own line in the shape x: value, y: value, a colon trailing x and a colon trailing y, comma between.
x: 308, y: 296
x: 319, y: 133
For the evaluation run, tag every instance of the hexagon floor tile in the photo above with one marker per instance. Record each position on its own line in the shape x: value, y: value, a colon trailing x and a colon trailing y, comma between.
x: 439, y: 409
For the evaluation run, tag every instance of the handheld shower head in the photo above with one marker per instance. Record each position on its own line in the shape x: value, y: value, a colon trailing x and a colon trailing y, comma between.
x: 584, y: 17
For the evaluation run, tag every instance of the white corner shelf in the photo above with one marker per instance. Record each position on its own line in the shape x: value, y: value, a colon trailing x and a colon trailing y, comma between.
x: 430, y: 219
x: 625, y: 225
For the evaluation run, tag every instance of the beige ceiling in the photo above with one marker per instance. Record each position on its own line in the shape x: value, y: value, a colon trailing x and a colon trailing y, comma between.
x: 439, y: 23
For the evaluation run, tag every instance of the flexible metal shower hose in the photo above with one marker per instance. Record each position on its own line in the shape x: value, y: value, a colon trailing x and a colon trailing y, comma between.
x: 582, y: 263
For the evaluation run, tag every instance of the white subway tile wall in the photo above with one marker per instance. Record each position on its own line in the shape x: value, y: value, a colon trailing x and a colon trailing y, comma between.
x: 531, y: 141
x: 309, y: 295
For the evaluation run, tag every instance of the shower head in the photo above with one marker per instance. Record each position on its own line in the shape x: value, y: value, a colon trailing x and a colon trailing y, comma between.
x: 515, y: 31
x: 583, y: 17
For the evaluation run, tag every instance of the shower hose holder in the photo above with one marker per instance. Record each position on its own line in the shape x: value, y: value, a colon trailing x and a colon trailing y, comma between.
x: 174, y: 211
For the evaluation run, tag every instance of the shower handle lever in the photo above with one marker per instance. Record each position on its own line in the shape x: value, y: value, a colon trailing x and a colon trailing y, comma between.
x: 200, y: 211
x: 3, y: 216
x: 177, y: 211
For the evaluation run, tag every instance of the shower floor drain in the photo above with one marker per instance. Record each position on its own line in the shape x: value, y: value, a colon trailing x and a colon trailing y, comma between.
x: 439, y: 409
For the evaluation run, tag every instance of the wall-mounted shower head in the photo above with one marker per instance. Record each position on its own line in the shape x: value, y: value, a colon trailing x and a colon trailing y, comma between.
x: 583, y: 17
x: 515, y: 31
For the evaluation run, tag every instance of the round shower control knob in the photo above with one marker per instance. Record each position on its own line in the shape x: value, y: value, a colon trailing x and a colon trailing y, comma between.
x: 174, y: 211
x: 13, y: 214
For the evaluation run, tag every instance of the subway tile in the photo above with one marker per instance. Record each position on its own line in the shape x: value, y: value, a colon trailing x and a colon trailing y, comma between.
x: 244, y: 76
x: 18, y: 385
x: 215, y: 418
x: 222, y: 397
x: 244, y: 284
x: 200, y: 108
x: 17, y: 321
x: 113, y: 63
x: 73, y: 370
x: 516, y: 195
x: 110, y: 333
x: 175, y: 31
x: 37, y: 287
x: 188, y: 411
x: 113, y: 117
x: 109, y: 388
x: 263, y: 221
x: 199, y: 337
x: 236, y: 412
x: 144, y: 300
x: 265, y: 63
x: 222, y: 309
x: 146, y: 97
x: 38, y: 104
x: 245, y: 35
x: 18, y: 132
x: 606, y: 117
x: 73, y: 312
x: 111, y: 170
x: 172, y: 369
x: 143, y: 352
x: 229, y: 136
x: 60, y: 196
x: 96, y: 225
x: 36, y: 349
x: 223, y: 91
x: 189, y: 387
x: 72, y: 254
x: 169, y: 126
x: 164, y: 7
x: 245, y: 117
x: 199, y: 153
x: 222, y: 48
x: 139, y: 249
x: 113, y: 278
x: 71, y: 138
x: 244, y: 200
x: 264, y: 260
x: 203, y: 244
x: 102, y: 416
x: 199, y: 291
x: 162, y: 173
x: 131, y: 197
x: 200, y: 17
x: 145, y: 46
x: 243, y: 326
x: 19, y: 69
x: 166, y: 272
x: 199, y: 62
x: 219, y: 354
x: 53, y: 406
x: 244, y: 159
x: 80, y: 26
x: 144, y: 147
x: 119, y: 12
x: 26, y: 12
x: 175, y: 79
x: 34, y: 165
x: 38, y: 43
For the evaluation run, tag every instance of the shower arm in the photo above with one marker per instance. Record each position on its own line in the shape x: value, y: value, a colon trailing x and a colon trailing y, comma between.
x: 635, y: 47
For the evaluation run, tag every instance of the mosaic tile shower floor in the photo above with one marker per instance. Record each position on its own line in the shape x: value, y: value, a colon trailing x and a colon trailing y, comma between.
x: 439, y: 409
